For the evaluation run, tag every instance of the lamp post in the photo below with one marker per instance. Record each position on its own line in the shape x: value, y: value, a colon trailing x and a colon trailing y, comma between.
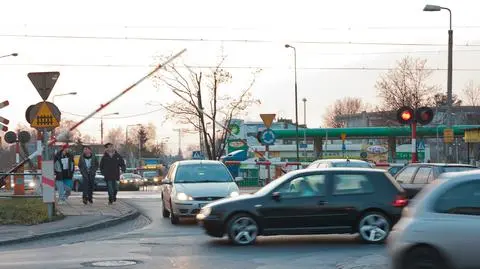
x: 305, y: 126
x: 449, y: 74
x: 62, y: 94
x: 296, y: 98
x: 101, y: 124
x: 9, y: 55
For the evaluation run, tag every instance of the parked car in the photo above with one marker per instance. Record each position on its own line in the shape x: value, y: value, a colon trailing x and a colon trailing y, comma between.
x: 130, y: 182
x: 190, y: 185
x: 311, y: 201
x: 440, y: 228
x: 327, y: 163
x: 414, y: 177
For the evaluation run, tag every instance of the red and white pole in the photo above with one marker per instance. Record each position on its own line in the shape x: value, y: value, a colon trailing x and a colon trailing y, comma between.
x: 414, y: 143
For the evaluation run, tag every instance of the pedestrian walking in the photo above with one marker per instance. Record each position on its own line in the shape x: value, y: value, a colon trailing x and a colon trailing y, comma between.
x: 64, y: 168
x: 110, y: 167
x: 88, y: 165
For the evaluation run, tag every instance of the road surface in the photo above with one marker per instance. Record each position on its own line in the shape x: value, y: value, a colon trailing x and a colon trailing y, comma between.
x: 152, y: 242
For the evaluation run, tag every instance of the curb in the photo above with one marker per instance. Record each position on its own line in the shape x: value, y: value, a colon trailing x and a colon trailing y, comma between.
x: 86, y: 228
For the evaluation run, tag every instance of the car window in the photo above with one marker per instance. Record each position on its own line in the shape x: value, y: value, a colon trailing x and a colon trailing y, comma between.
x: 449, y: 169
x: 422, y: 176
x: 351, y: 184
x: 352, y: 164
x: 463, y: 199
x: 405, y: 176
x: 201, y: 172
x: 304, y: 186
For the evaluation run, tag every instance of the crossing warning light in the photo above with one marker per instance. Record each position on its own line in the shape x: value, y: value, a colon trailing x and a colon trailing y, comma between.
x: 424, y: 115
x: 405, y: 115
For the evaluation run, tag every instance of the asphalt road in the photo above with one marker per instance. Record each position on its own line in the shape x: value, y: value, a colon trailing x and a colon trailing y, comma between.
x: 152, y: 242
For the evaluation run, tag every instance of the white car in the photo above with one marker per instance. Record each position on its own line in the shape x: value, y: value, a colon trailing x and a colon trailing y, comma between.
x: 190, y: 185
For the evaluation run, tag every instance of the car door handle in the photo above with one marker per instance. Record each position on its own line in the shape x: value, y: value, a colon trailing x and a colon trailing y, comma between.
x: 322, y: 202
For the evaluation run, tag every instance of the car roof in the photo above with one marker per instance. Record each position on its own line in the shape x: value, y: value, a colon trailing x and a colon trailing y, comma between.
x: 198, y: 162
x: 339, y: 169
x: 473, y: 174
x: 442, y: 164
x: 343, y: 160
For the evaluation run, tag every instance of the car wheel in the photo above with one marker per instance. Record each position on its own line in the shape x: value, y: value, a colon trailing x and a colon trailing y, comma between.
x: 424, y: 257
x: 165, y: 212
x: 373, y: 227
x: 242, y: 230
x: 173, y: 219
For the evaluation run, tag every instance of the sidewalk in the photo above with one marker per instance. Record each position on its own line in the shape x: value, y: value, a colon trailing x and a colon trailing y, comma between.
x: 79, y: 218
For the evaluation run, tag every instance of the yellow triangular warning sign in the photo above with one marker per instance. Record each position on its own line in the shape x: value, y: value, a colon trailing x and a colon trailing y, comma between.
x: 267, y: 119
x: 44, y: 118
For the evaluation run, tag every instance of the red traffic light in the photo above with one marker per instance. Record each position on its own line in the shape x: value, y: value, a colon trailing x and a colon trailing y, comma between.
x: 424, y: 115
x: 405, y: 115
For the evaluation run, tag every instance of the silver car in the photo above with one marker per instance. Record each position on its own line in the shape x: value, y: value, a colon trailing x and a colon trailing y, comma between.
x: 190, y: 185
x: 440, y: 229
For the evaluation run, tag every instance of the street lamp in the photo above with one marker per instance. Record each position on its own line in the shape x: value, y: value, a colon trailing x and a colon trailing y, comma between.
x: 296, y: 98
x: 62, y: 94
x: 10, y: 55
x: 305, y: 126
x: 101, y: 124
x: 449, y: 73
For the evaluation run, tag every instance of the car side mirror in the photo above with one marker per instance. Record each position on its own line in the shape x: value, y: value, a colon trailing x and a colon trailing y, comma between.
x: 166, y: 182
x: 238, y: 179
x: 276, y: 196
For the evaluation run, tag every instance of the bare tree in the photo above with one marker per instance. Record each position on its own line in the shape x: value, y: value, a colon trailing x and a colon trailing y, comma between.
x: 200, y: 93
x: 342, y: 107
x: 471, y: 94
x: 63, y: 133
x: 406, y: 85
x: 115, y: 136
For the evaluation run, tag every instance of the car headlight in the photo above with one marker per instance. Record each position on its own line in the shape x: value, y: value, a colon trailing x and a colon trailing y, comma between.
x: 155, y: 179
x: 234, y: 194
x: 204, y: 212
x: 183, y: 197
x: 31, y: 184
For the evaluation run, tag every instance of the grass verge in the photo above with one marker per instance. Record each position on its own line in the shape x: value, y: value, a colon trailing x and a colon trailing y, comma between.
x: 24, y: 211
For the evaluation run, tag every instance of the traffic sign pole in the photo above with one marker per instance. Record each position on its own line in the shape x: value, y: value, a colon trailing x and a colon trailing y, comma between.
x: 414, y: 143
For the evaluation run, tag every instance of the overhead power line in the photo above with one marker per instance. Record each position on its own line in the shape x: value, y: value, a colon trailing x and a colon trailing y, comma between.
x: 207, y: 27
x: 115, y: 118
x: 139, y: 38
x: 356, y: 68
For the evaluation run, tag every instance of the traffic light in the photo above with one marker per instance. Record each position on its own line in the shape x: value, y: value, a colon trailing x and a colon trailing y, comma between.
x: 424, y: 115
x: 405, y: 115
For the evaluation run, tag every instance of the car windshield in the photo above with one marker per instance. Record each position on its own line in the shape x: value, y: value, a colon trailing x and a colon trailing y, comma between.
x: 150, y: 174
x: 449, y: 169
x: 127, y: 175
x: 352, y: 164
x: 201, y: 172
x: 273, y: 184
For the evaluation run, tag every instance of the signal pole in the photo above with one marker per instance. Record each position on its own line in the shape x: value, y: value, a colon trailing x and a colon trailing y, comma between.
x: 414, y: 142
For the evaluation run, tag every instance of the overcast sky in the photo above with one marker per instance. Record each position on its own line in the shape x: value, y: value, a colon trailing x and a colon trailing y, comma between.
x: 332, y: 62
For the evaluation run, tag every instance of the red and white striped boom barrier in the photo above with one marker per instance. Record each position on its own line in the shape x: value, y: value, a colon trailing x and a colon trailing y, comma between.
x: 266, y: 163
x: 4, y: 104
x: 102, y: 106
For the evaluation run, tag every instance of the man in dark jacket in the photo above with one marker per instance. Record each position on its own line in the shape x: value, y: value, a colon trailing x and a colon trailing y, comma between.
x: 110, y: 166
x: 64, y: 166
x: 88, y: 165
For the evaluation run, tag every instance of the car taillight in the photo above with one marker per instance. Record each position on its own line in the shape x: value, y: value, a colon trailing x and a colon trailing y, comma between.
x: 400, y: 201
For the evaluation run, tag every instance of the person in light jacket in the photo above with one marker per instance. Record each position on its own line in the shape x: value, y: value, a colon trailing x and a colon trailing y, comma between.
x: 88, y: 165
x: 64, y: 167
x: 110, y: 166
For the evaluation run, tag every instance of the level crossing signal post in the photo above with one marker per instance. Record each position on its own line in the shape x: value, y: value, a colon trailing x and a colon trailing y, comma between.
x: 412, y: 117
